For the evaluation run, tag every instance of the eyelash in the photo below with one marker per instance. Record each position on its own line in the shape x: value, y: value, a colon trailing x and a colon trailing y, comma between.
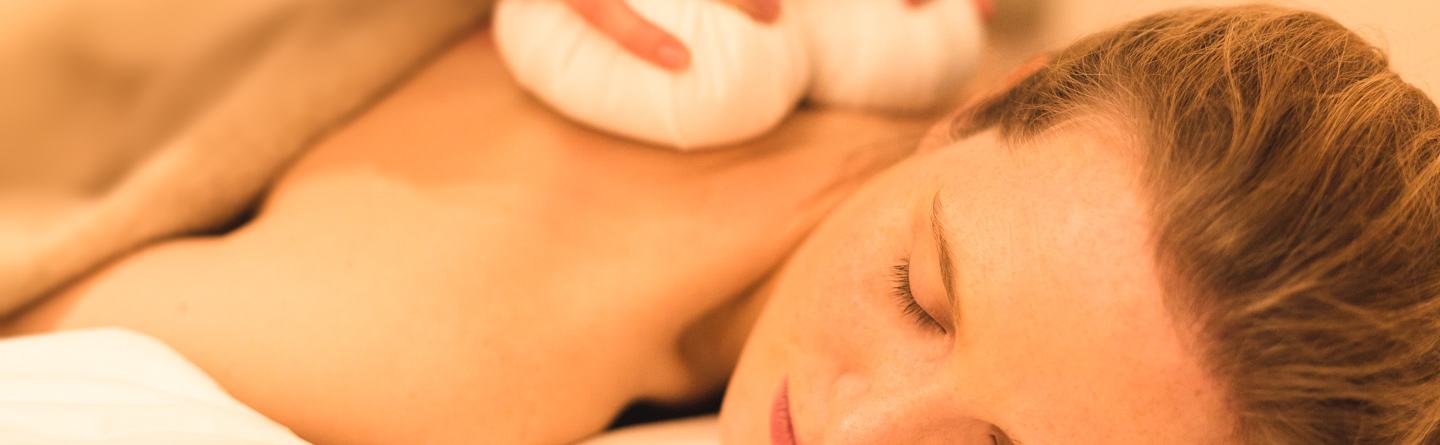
x: 900, y: 288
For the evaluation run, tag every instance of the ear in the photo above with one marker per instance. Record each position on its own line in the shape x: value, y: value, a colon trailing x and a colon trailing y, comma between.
x: 1025, y: 70
x: 939, y: 134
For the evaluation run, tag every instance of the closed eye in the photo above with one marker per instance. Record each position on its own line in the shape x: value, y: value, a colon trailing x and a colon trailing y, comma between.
x: 900, y: 288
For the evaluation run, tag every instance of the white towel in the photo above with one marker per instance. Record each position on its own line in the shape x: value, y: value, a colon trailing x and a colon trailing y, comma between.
x: 118, y: 387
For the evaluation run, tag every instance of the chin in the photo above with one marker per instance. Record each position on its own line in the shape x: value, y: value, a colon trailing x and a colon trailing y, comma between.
x: 749, y: 399
x: 733, y: 431
x: 743, y: 416
x: 766, y: 362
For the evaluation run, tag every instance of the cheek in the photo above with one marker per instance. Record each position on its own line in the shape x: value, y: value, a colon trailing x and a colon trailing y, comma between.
x: 834, y: 312
x: 825, y: 303
x: 828, y: 314
x: 835, y: 291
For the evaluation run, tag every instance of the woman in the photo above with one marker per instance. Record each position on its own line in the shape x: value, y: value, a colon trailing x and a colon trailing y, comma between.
x: 1206, y: 226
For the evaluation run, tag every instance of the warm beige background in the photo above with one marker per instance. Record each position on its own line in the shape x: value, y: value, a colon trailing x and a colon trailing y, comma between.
x: 1409, y: 29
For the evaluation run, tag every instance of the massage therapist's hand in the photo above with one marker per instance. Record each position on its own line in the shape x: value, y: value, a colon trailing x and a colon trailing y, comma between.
x: 616, y: 19
x: 649, y: 42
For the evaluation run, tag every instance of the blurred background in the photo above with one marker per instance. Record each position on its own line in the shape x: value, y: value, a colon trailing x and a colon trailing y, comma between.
x: 58, y: 105
x: 1407, y: 28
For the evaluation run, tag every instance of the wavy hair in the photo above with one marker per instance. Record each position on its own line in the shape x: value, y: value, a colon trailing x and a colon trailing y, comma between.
x: 1295, y: 181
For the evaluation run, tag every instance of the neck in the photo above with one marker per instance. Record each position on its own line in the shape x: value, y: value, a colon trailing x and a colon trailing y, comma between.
x: 711, y: 346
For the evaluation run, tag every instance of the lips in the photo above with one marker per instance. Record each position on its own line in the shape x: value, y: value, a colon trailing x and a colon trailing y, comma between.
x: 782, y: 432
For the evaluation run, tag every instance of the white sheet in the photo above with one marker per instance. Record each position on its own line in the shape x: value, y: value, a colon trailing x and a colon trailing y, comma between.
x: 118, y: 387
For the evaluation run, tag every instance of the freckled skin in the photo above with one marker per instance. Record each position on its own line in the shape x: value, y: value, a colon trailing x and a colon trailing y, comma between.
x: 1061, y: 334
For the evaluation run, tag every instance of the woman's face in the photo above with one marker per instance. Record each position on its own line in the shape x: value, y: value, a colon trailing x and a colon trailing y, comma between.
x: 1037, y: 312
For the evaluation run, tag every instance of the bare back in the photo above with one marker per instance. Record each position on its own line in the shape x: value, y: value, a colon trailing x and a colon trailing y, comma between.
x: 459, y: 265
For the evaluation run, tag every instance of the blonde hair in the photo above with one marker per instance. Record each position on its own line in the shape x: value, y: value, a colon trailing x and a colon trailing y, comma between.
x: 1297, y: 197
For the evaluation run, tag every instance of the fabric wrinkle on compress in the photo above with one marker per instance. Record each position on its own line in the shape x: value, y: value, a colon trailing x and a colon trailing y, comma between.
x: 887, y: 55
x: 744, y: 76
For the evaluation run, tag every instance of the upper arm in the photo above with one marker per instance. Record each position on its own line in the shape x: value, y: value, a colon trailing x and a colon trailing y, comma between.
x: 343, y: 360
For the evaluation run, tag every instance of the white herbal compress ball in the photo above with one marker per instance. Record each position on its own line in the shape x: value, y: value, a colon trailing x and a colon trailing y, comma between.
x: 888, y: 55
x: 744, y: 77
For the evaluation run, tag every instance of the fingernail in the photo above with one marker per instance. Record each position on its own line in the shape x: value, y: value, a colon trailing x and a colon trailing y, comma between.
x: 987, y: 9
x: 673, y: 56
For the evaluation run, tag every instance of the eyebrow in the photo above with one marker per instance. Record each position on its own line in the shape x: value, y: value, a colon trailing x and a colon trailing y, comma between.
x: 947, y: 264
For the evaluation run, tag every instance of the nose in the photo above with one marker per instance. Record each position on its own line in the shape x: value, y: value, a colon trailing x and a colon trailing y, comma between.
x: 868, y: 412
x: 859, y: 414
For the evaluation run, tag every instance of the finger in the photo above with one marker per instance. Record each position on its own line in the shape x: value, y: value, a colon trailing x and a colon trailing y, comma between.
x: 986, y: 8
x: 764, y: 11
x: 640, y: 37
